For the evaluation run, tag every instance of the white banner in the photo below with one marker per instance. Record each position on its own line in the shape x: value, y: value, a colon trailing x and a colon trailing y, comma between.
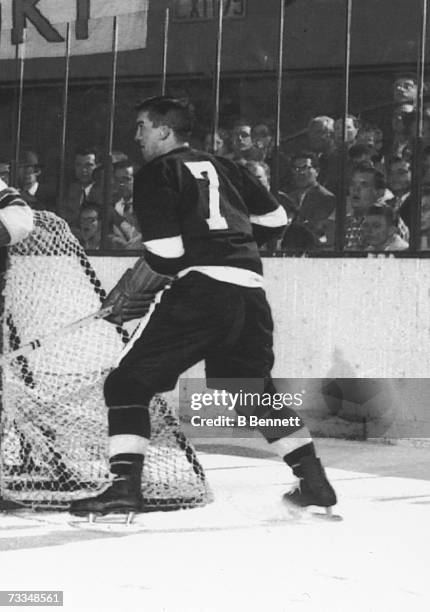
x: 42, y: 24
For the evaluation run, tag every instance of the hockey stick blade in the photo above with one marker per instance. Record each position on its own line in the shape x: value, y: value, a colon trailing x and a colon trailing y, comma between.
x: 101, y: 313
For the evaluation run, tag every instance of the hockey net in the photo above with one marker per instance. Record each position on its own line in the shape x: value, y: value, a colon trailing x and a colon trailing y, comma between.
x: 53, y: 444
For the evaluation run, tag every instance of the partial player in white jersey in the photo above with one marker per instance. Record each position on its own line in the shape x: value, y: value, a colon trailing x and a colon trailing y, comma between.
x: 16, y: 223
x: 16, y: 217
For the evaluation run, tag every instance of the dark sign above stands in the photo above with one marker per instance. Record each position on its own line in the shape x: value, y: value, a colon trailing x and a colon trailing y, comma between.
x: 204, y: 10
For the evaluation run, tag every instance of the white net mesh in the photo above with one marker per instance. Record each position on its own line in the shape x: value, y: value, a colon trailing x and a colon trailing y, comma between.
x: 53, y: 445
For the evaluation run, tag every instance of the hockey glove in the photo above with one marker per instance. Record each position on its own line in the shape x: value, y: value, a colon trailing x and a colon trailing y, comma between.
x: 132, y: 296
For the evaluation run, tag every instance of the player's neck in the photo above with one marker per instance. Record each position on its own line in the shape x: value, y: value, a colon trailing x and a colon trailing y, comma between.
x: 169, y: 148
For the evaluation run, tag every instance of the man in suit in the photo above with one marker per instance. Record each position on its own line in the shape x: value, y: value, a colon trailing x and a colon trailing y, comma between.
x: 37, y: 195
x: 313, y: 202
x: 84, y: 187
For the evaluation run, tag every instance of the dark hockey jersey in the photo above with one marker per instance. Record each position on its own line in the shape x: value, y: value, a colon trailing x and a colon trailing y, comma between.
x: 197, y: 210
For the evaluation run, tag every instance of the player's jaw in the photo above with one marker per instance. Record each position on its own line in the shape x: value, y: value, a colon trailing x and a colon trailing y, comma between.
x: 149, y: 146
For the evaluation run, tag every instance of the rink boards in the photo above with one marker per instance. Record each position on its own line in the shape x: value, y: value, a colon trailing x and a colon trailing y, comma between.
x: 346, y: 318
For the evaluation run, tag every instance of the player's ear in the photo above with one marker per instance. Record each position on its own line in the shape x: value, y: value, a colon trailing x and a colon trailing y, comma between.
x: 165, y: 131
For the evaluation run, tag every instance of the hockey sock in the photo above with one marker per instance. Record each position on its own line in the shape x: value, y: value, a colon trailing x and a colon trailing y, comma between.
x: 294, y: 458
x: 129, y: 420
x: 127, y: 466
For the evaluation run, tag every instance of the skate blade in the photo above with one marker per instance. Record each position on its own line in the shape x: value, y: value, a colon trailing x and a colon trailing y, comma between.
x: 118, y: 522
x: 309, y: 513
x: 326, y: 514
x: 10, y: 507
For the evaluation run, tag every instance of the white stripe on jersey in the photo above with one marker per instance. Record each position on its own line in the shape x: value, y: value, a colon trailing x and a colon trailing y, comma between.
x: 170, y: 248
x: 228, y: 274
x: 275, y: 218
x: 18, y: 220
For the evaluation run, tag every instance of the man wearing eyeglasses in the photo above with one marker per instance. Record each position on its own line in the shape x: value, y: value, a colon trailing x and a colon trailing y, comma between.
x: 314, y: 202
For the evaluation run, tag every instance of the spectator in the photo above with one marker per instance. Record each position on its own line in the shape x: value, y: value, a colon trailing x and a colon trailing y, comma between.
x: 359, y: 153
x: 400, y: 182
x: 83, y: 188
x: 402, y: 124
x: 331, y: 160
x: 366, y: 188
x: 352, y: 126
x: 379, y: 230
x: 38, y: 196
x: 405, y: 92
x: 321, y: 134
x: 399, y: 177
x: 5, y: 172
x: 89, y: 225
x: 371, y: 136
x: 261, y: 171
x: 313, y: 202
x: 296, y: 237
x: 243, y: 148
x: 264, y: 144
x: 425, y: 219
x: 321, y: 142
x: 221, y: 142
x: 262, y: 140
x: 426, y: 166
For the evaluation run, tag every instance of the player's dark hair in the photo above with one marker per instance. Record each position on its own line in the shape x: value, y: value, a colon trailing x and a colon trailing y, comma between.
x: 177, y: 113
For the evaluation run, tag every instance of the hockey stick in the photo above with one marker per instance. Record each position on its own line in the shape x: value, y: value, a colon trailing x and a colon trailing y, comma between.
x: 71, y: 327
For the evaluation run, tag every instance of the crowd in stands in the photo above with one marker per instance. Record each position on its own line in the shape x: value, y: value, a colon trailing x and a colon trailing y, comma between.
x: 377, y: 185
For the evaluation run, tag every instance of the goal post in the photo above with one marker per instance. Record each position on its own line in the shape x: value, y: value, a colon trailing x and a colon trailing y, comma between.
x: 53, y: 421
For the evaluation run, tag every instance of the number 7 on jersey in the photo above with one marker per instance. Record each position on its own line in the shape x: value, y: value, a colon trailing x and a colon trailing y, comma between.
x: 204, y: 170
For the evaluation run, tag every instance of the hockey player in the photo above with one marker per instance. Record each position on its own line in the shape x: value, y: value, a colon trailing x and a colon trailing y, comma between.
x: 16, y: 222
x: 16, y: 218
x: 202, y: 219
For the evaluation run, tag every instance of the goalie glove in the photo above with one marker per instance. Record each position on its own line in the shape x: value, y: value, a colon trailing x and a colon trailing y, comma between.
x: 132, y: 296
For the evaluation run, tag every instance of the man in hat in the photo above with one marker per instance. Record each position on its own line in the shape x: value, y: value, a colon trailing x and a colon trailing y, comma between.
x: 38, y: 196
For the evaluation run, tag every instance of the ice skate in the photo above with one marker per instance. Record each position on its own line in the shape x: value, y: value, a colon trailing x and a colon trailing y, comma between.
x: 7, y: 505
x: 121, y: 497
x: 313, y: 489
